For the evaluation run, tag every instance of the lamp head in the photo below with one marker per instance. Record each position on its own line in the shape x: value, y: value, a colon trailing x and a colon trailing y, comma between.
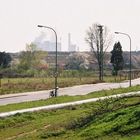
x: 40, y: 26
x: 100, y: 26
x: 116, y: 32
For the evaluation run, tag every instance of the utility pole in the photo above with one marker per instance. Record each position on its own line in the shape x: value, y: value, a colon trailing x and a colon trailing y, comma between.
x: 101, y: 50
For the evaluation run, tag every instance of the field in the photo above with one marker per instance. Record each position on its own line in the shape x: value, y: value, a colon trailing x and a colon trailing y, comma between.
x: 110, y: 119
x: 17, y: 85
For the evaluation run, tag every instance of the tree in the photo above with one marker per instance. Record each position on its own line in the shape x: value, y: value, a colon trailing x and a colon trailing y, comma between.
x: 5, y: 59
x: 117, y: 58
x: 31, y: 58
x: 99, y: 39
x: 77, y: 62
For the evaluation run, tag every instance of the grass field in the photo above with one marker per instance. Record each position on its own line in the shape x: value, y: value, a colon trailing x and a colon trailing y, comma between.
x: 17, y: 85
x: 64, y: 99
x: 113, y: 119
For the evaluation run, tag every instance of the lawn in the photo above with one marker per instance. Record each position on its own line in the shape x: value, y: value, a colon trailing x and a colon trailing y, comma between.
x: 111, y: 119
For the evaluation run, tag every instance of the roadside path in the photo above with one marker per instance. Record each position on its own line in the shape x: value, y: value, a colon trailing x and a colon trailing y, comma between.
x: 71, y: 91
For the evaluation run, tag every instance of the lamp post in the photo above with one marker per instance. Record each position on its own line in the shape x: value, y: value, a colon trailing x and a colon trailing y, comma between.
x: 56, y: 88
x: 130, y: 55
x: 101, y: 51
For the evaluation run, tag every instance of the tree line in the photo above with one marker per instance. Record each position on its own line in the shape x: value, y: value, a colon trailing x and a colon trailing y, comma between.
x: 99, y: 39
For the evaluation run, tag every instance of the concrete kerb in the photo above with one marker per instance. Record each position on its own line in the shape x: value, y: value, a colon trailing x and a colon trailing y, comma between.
x: 63, y: 105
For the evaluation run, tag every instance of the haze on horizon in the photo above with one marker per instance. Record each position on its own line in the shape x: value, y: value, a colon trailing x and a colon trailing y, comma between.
x: 19, y: 20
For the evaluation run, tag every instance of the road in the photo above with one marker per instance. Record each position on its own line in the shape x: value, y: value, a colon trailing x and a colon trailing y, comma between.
x: 71, y: 91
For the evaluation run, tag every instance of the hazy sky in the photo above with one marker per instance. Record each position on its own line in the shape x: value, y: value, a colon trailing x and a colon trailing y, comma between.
x: 19, y: 20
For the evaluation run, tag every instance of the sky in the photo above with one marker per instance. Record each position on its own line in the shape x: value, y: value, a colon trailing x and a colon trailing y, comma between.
x: 19, y: 20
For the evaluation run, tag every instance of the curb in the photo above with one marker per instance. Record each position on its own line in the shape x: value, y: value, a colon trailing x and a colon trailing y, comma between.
x: 62, y: 105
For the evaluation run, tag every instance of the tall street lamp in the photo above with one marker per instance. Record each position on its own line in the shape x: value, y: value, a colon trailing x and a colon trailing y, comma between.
x: 130, y: 63
x: 101, y: 51
x: 56, y: 69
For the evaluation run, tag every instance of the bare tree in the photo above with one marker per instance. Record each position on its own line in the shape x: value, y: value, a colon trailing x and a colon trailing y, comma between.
x: 99, y: 39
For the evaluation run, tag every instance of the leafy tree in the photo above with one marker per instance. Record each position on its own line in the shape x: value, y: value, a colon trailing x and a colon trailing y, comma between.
x: 76, y: 62
x: 117, y: 58
x: 5, y: 59
x: 99, y: 43
x: 31, y: 58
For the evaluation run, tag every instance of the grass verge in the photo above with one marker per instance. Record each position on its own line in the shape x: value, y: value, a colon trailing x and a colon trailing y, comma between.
x: 107, y: 120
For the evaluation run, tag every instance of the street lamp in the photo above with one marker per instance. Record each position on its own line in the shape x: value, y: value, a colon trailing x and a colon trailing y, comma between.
x: 56, y: 88
x: 130, y: 56
x: 101, y: 51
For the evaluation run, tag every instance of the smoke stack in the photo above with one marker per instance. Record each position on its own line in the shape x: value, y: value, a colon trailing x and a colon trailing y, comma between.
x: 69, y: 41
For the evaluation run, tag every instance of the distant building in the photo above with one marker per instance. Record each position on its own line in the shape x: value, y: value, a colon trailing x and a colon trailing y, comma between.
x: 71, y: 47
x: 44, y: 45
x: 49, y: 46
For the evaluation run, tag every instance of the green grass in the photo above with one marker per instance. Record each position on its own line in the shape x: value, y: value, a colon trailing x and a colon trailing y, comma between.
x: 18, y: 85
x: 119, y: 120
x: 64, y: 99
x: 121, y: 123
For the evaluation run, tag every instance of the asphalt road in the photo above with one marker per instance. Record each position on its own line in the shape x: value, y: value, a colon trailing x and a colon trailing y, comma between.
x: 71, y: 91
